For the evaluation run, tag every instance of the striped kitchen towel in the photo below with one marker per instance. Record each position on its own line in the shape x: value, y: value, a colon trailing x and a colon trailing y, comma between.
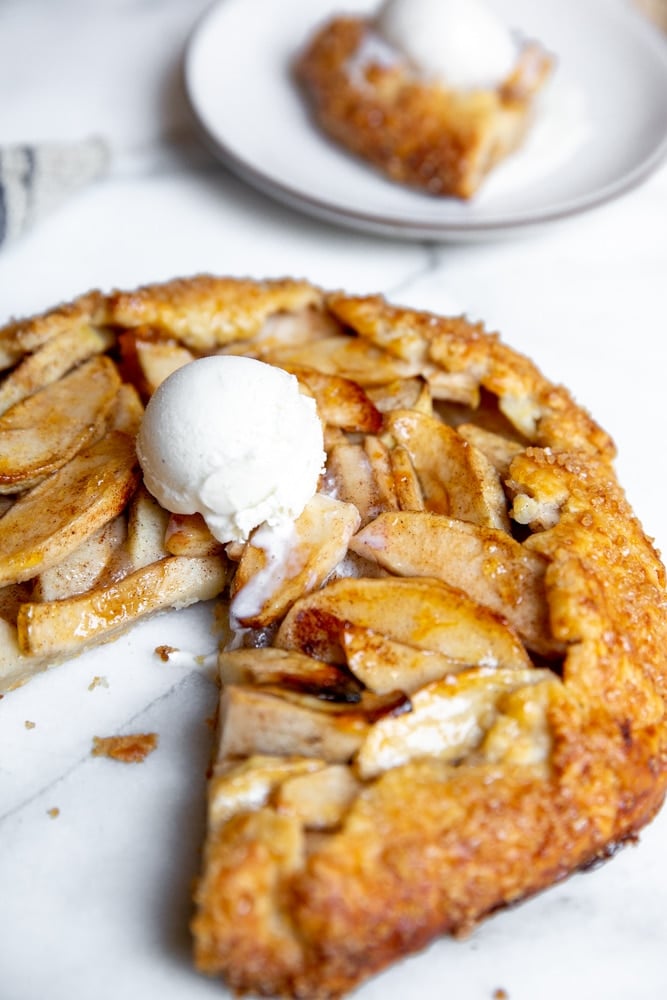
x: 36, y: 179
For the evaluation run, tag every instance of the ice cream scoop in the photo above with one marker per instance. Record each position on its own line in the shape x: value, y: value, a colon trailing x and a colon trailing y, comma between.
x: 232, y: 439
x: 461, y: 43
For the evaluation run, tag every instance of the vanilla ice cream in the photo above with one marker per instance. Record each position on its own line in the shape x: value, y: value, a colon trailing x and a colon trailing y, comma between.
x: 461, y: 43
x: 234, y: 440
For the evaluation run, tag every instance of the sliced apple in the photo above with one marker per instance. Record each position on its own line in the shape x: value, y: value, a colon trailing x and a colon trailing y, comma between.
x: 57, y: 627
x: 53, y: 519
x: 98, y: 556
x: 158, y: 359
x: 454, y: 387
x: 449, y: 719
x: 260, y: 720
x: 51, y: 361
x: 346, y: 356
x: 188, y: 535
x: 488, y: 564
x: 408, y: 489
x: 384, y: 665
x: 455, y: 477
x: 402, y: 394
x: 340, y: 401
x: 274, y: 572
x: 146, y: 527
x: 378, y: 456
x: 289, y: 668
x: 498, y: 449
x: 128, y: 411
x: 423, y: 613
x: 41, y: 433
x: 350, y: 478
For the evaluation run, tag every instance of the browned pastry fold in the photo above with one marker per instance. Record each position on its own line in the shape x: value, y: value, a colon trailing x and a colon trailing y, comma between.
x: 417, y: 132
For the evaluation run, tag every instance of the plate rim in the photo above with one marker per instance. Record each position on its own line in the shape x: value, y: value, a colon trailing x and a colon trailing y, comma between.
x: 400, y: 227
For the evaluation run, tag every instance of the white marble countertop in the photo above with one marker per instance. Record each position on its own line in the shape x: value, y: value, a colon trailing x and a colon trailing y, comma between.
x: 95, y: 902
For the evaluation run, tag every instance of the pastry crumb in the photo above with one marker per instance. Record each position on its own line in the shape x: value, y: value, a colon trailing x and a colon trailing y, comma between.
x: 54, y: 812
x: 98, y: 682
x: 164, y: 652
x: 130, y: 749
x: 29, y: 725
x: 500, y: 994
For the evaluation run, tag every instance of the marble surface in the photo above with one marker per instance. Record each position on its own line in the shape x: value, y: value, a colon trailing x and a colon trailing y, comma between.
x: 94, y: 901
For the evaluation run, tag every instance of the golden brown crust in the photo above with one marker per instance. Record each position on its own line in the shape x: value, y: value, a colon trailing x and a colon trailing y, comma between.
x: 548, y: 415
x: 22, y: 336
x: 418, y: 133
x: 207, y: 312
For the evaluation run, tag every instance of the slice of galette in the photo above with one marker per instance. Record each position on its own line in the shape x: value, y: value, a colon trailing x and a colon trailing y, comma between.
x: 418, y: 129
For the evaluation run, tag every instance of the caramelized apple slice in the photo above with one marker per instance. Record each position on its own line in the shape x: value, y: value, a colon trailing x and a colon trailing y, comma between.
x: 340, y: 401
x: 453, y: 387
x: 41, y: 434
x: 350, y: 477
x: 158, y: 359
x: 128, y: 411
x: 58, y: 627
x: 489, y: 565
x: 456, y: 479
x: 402, y: 394
x: 498, y: 449
x: 52, y: 360
x: 269, y: 580
x: 98, y: 556
x: 146, y: 526
x: 384, y: 665
x: 408, y: 489
x: 54, y: 518
x: 188, y: 535
x: 345, y: 356
x: 258, y: 720
x: 378, y: 456
x: 449, y: 719
x: 288, y: 668
x: 424, y: 613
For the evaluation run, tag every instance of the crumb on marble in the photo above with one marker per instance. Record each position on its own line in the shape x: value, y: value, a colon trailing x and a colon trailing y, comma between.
x: 29, y: 725
x: 130, y: 749
x: 164, y: 652
x: 98, y: 682
x: 54, y: 812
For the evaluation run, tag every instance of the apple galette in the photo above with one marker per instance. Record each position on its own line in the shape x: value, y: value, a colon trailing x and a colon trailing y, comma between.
x: 444, y: 691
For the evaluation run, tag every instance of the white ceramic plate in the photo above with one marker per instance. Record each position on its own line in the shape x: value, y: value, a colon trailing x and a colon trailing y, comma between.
x: 601, y: 129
